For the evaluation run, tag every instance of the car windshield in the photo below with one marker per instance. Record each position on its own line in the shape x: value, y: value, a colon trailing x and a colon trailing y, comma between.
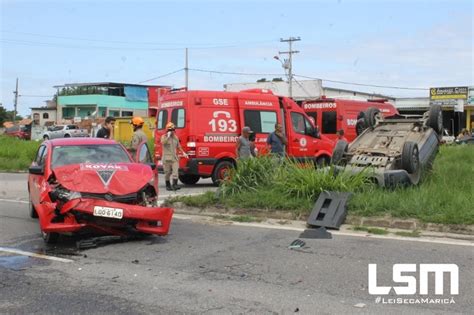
x: 66, y: 155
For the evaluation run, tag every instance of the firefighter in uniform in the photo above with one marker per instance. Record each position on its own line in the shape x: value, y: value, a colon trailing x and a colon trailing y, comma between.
x: 138, y: 135
x: 170, y: 159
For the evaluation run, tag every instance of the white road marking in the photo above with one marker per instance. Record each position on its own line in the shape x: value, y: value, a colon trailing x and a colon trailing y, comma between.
x: 343, y: 233
x: 35, y: 255
x: 14, y: 200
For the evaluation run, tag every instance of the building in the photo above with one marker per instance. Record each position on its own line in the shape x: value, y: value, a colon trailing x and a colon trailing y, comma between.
x: 44, y: 116
x: 454, y: 118
x: 306, y: 89
x: 95, y: 100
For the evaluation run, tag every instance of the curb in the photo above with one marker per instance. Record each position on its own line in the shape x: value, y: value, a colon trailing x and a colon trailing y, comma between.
x: 455, y: 231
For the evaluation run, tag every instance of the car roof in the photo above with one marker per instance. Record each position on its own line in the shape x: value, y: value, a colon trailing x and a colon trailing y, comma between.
x: 80, y: 141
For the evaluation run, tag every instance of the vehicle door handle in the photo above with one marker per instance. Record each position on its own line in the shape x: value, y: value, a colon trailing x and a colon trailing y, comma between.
x: 296, y: 140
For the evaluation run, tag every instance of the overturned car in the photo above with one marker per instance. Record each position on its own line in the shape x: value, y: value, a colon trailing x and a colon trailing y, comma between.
x: 393, y: 151
x: 91, y: 185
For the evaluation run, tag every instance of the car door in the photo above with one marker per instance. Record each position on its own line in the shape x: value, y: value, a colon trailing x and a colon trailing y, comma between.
x: 35, y: 181
x: 301, y: 138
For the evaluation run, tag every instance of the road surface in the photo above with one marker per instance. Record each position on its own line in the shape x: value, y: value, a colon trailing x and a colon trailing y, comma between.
x: 211, y: 267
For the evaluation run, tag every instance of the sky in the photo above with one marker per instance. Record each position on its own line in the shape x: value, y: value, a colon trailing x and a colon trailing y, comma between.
x: 393, y: 43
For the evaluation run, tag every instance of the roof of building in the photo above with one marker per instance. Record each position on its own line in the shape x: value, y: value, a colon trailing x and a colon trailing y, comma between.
x: 360, y: 92
x: 43, y: 108
x: 106, y: 84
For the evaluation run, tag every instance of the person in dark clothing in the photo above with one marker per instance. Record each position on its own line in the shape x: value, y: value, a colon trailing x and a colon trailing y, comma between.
x: 276, y: 141
x: 107, y: 128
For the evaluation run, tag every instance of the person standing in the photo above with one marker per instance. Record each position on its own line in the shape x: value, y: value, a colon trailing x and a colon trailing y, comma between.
x: 244, y: 146
x: 170, y: 159
x: 106, y: 132
x: 276, y: 141
x: 340, y: 135
x: 138, y: 135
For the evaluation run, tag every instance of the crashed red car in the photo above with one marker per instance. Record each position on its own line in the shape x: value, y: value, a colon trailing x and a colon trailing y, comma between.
x: 92, y: 185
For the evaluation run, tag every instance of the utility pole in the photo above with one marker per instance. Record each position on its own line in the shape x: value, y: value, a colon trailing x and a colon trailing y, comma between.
x: 16, y: 101
x: 186, y: 71
x: 290, y: 53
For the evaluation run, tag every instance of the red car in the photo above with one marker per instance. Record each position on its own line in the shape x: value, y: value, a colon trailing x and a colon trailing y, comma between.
x: 19, y: 132
x: 93, y: 185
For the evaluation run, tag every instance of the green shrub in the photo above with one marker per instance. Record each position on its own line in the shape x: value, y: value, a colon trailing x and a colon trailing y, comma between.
x: 16, y: 154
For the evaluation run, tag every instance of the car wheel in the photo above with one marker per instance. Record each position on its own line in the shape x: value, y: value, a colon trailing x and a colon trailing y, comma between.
x: 189, y: 179
x: 338, y: 153
x: 50, y: 238
x: 369, y: 116
x: 360, y: 126
x: 221, y: 172
x: 410, y: 157
x: 323, y: 161
x: 33, y: 213
x: 67, y: 136
x: 435, y: 119
x: 45, y: 137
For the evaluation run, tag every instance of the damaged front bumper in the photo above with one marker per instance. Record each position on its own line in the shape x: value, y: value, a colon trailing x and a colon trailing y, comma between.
x: 78, y: 214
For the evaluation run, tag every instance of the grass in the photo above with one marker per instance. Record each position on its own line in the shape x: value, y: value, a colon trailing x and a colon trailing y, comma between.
x: 370, y: 230
x: 446, y: 195
x: 15, y: 154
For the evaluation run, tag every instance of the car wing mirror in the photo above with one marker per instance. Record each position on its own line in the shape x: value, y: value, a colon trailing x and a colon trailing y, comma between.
x: 36, y: 170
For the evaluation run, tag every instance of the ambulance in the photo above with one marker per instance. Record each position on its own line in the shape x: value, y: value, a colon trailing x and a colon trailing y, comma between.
x: 208, y: 124
x: 331, y: 115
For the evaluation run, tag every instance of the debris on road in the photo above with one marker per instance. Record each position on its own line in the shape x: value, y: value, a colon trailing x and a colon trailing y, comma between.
x: 297, y: 244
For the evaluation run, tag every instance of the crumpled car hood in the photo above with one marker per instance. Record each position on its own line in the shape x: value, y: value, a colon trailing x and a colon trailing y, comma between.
x: 101, y: 178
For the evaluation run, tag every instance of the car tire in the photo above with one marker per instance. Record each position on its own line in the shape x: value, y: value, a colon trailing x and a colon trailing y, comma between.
x: 338, y: 153
x: 435, y: 119
x: 189, y: 179
x: 45, y: 137
x: 410, y: 157
x: 369, y: 116
x: 33, y: 213
x: 49, y: 237
x: 360, y: 126
x: 323, y: 161
x: 219, y: 173
x: 67, y: 136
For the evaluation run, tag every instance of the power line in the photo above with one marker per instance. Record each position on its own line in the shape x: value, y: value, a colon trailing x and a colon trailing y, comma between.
x: 302, y: 87
x: 363, y: 84
x: 162, y: 76
x: 233, y: 73
x: 290, y: 53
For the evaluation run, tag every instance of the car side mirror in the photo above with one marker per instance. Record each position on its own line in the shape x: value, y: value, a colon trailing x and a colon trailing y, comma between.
x: 36, y: 170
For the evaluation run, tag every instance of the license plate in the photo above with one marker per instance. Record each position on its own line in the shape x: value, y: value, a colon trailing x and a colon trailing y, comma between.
x: 108, y: 212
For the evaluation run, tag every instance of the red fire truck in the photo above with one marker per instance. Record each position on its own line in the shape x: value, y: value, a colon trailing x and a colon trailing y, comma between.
x: 208, y: 124
x: 331, y: 114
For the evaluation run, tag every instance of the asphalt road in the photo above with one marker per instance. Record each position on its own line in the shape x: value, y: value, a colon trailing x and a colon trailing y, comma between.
x: 210, y: 267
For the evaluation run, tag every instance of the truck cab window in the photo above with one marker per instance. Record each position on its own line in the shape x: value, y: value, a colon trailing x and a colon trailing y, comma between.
x: 162, y: 119
x: 302, y: 125
x: 178, y: 117
x: 329, y: 122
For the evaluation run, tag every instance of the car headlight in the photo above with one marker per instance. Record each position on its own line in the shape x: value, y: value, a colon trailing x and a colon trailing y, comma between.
x: 63, y: 194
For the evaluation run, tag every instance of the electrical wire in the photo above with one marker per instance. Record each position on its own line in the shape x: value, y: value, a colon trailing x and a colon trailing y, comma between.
x: 162, y: 76
x: 233, y: 73
x: 363, y: 84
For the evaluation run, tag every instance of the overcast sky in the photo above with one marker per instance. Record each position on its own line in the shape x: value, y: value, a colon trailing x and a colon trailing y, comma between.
x: 394, y: 43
